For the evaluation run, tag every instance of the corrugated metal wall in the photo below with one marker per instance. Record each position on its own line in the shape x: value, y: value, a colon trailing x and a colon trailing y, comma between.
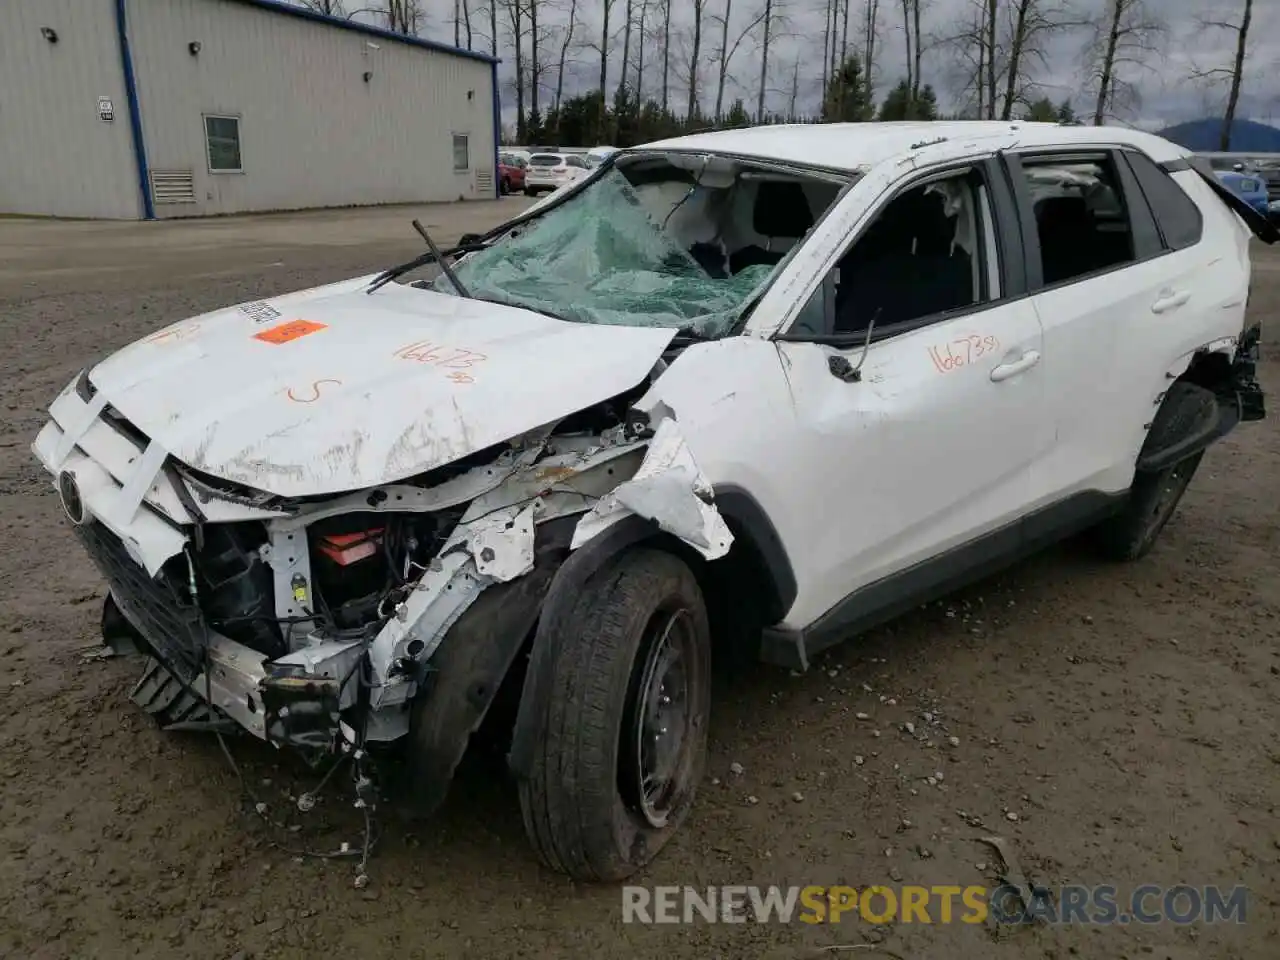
x: 56, y: 157
x: 313, y: 132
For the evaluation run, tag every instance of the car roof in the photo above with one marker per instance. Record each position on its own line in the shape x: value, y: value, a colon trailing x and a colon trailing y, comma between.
x: 857, y: 147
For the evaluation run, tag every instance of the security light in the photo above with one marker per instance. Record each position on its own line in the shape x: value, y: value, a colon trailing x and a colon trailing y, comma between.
x: 49, y: 34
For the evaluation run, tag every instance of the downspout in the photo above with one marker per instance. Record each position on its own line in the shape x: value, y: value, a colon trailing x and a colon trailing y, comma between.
x: 135, y: 113
x: 497, y: 133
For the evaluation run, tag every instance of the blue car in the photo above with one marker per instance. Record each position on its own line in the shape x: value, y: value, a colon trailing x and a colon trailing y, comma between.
x: 1250, y: 188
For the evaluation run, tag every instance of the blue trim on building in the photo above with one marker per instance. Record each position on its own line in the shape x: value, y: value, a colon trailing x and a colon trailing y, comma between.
x: 497, y: 133
x: 135, y: 112
x: 302, y: 13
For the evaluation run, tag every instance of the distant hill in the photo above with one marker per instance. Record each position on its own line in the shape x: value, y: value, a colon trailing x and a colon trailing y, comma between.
x: 1247, y: 136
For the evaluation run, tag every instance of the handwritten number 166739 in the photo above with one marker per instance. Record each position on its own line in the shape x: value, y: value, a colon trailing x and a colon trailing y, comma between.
x: 961, y: 352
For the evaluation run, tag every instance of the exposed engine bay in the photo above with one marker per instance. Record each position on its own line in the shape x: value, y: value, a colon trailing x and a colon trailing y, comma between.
x: 318, y: 623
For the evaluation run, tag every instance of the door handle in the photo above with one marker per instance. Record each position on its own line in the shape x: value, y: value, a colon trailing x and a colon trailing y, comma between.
x: 1014, y: 367
x: 1170, y: 300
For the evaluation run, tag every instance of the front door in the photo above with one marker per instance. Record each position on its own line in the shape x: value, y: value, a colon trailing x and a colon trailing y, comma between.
x: 923, y: 441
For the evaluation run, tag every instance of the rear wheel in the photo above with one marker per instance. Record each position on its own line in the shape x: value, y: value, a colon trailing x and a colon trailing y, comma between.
x: 505, y: 186
x: 625, y: 741
x: 1153, y: 498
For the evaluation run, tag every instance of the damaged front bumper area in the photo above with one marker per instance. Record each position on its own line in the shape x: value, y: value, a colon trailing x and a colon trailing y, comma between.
x: 310, y: 624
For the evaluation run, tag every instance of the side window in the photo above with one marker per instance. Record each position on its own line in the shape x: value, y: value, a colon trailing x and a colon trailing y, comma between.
x: 461, y: 152
x: 925, y: 254
x: 1177, y: 215
x: 1081, y: 216
x: 574, y: 162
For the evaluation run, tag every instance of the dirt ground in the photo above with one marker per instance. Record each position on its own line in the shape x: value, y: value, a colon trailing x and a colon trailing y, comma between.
x: 1127, y: 715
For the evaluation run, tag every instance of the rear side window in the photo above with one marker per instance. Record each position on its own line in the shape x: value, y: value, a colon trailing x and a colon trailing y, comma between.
x: 1176, y: 214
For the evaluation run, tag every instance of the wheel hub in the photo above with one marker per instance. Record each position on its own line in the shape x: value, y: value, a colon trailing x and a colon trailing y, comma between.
x: 661, y: 724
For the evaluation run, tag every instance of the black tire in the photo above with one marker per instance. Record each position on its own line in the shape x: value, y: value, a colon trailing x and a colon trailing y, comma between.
x: 582, y: 805
x: 505, y: 186
x: 1153, y: 498
x: 530, y: 192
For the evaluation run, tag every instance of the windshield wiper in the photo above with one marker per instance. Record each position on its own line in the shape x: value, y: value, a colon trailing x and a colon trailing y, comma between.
x: 444, y: 264
x: 433, y: 255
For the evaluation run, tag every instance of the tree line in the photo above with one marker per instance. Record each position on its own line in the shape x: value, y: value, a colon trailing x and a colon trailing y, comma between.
x: 665, y: 67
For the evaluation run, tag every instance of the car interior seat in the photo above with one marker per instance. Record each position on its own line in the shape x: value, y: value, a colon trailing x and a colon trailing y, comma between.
x: 781, y: 212
x: 905, y: 266
x: 1068, y: 237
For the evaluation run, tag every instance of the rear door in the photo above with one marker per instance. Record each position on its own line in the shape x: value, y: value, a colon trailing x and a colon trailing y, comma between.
x: 1120, y: 301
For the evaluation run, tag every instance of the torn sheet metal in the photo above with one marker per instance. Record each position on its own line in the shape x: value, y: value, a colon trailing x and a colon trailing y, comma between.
x: 669, y: 489
x: 491, y: 549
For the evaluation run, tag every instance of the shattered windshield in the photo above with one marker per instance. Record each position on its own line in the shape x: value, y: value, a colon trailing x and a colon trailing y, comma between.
x: 602, y: 258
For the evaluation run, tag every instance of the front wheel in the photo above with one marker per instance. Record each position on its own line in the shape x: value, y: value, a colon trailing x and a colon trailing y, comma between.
x: 625, y: 742
x: 505, y: 186
x: 1153, y: 498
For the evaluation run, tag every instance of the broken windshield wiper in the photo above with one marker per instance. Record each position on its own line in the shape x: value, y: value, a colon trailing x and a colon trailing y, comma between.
x: 444, y: 264
x: 433, y: 255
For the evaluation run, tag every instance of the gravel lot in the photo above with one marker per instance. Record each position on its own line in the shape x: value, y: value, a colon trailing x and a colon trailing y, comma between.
x: 1127, y: 715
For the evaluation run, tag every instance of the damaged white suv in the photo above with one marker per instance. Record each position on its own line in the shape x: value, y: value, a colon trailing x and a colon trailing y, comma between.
x: 771, y: 386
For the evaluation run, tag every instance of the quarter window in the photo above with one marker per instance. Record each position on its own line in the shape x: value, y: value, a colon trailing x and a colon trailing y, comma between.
x: 1081, y: 218
x: 222, y: 143
x: 461, y: 152
x: 1176, y: 214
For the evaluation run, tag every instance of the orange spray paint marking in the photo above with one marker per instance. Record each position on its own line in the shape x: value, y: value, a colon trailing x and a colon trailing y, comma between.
x: 449, y: 358
x: 315, y: 391
x: 292, y: 330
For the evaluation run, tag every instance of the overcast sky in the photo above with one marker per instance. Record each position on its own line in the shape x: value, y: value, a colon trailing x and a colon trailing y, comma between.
x: 1167, y: 93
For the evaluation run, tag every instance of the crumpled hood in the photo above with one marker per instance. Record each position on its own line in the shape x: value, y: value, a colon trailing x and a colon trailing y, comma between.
x: 333, y: 389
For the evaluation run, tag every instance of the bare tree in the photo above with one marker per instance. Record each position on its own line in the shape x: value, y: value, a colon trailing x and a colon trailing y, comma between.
x: 1031, y: 24
x: 1124, y: 39
x: 666, y: 52
x: 404, y: 16
x: 727, y: 49
x: 515, y: 23
x: 535, y: 62
x: 461, y: 20
x: 906, y: 33
x: 565, y: 43
x: 695, y: 51
x: 870, y: 38
x: 628, y: 18
x: 641, y: 31
x: 330, y: 8
x: 771, y: 11
x: 1234, y: 74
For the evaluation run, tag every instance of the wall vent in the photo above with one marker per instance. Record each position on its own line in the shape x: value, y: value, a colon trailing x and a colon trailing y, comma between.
x: 173, y: 186
x: 484, y: 181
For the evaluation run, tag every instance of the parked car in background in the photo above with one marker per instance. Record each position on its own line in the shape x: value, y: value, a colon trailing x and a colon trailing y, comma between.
x: 511, y: 173
x: 597, y: 155
x: 550, y: 171
x: 1249, y: 187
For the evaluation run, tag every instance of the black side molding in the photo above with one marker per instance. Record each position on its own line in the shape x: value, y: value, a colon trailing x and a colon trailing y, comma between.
x: 886, y: 599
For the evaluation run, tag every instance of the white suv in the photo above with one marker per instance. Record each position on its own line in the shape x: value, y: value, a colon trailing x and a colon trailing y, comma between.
x: 768, y: 387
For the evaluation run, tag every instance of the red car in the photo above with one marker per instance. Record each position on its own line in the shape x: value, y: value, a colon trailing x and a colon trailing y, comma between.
x: 510, y: 174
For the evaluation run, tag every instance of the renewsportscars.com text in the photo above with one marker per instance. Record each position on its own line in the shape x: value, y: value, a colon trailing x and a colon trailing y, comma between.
x: 906, y: 903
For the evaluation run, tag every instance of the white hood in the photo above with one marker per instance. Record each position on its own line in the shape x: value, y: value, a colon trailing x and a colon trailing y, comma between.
x: 372, y: 388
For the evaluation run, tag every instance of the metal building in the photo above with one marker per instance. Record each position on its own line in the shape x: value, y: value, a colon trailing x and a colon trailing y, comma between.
x: 132, y: 109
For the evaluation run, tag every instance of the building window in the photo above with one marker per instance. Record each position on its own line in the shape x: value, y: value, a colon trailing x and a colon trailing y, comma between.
x: 222, y: 141
x: 461, y: 153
